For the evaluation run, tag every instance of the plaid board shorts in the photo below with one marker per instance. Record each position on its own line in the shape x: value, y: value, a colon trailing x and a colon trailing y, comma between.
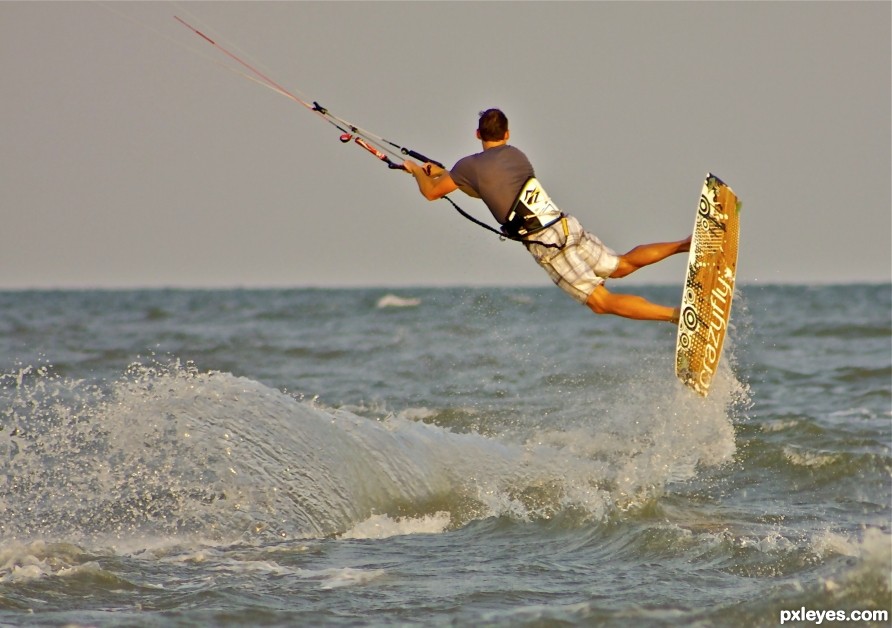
x: 582, y: 262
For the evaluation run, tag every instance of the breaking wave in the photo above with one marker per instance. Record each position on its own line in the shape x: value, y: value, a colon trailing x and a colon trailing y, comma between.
x: 167, y: 450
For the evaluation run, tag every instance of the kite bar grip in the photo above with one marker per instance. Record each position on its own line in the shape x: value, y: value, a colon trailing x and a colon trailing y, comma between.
x: 420, y: 157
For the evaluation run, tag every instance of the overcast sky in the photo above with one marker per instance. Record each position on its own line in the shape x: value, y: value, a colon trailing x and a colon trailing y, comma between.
x: 132, y: 158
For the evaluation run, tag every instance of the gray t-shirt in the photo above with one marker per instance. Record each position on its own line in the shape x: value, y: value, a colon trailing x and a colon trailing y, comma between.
x: 496, y: 175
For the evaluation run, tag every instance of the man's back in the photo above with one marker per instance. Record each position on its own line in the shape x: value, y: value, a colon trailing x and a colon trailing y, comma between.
x: 496, y: 175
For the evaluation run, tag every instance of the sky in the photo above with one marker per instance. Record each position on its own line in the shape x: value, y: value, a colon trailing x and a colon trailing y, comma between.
x: 131, y: 157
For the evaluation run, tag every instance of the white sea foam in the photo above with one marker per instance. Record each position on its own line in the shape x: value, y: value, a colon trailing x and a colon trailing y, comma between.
x: 383, y: 526
x: 392, y: 300
x: 802, y: 457
x: 37, y: 559
x: 337, y: 578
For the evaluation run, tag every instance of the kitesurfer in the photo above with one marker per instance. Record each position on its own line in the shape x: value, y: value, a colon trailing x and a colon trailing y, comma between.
x: 576, y: 260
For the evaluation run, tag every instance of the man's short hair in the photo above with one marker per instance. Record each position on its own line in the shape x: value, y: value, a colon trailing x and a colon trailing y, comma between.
x: 493, y: 125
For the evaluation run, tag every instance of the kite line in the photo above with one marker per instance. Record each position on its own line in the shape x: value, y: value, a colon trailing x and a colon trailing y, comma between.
x: 378, y: 146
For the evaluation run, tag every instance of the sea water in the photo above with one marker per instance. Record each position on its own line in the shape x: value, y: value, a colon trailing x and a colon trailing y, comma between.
x: 419, y: 457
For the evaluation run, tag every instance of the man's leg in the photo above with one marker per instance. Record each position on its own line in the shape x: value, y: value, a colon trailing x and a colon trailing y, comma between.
x: 602, y: 301
x: 647, y: 254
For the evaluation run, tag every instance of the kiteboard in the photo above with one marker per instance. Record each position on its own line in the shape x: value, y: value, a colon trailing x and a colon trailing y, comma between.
x: 709, y: 285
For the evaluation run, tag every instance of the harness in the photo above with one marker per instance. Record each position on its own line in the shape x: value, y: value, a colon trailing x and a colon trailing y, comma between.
x: 532, y: 211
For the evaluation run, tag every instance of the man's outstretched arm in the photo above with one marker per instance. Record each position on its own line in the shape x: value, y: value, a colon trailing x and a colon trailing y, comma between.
x: 433, y: 182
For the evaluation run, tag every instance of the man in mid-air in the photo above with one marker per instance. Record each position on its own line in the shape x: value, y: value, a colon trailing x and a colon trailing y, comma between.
x: 577, y: 261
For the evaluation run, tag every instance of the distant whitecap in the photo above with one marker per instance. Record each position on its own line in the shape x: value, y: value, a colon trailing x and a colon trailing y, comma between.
x: 392, y: 300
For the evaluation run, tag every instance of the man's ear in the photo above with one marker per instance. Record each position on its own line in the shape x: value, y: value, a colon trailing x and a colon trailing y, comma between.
x: 478, y: 134
x: 507, y: 135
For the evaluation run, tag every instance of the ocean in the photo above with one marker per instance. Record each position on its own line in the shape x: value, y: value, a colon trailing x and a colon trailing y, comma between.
x: 440, y: 457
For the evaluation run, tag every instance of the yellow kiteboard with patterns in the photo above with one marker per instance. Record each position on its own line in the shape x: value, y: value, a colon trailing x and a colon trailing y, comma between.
x: 709, y: 285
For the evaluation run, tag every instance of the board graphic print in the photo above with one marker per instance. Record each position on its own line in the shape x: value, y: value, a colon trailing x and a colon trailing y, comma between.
x: 709, y: 285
